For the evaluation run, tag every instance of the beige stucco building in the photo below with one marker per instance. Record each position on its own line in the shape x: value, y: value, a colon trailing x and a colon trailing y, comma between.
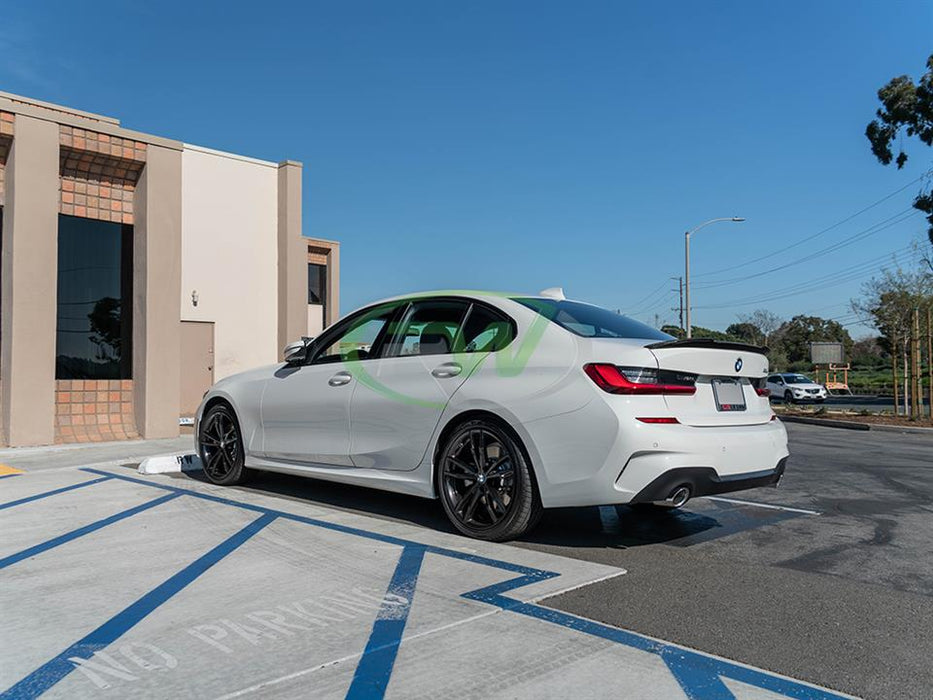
x: 136, y: 270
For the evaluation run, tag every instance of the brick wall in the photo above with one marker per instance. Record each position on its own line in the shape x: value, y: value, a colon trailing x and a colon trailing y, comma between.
x: 99, y: 174
x: 94, y: 410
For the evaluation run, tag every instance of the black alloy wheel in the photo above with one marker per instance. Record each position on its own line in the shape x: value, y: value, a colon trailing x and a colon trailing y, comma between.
x: 221, y: 447
x: 788, y: 397
x: 485, y: 483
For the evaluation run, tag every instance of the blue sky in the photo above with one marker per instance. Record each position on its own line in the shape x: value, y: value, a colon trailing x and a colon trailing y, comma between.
x: 521, y: 145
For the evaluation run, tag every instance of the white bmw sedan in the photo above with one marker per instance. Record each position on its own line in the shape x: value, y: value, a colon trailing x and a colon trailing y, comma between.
x: 501, y: 406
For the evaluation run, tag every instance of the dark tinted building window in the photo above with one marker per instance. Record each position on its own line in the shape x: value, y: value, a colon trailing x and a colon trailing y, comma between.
x: 592, y: 321
x: 95, y: 299
x: 317, y: 284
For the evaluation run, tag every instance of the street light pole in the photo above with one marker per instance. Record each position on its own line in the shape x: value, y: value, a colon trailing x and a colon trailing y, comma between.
x: 736, y: 219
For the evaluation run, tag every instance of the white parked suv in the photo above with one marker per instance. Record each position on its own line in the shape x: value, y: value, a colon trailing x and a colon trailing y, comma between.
x: 796, y: 388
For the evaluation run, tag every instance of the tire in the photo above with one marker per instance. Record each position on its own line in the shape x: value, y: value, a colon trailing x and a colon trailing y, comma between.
x: 788, y: 397
x: 220, y: 447
x: 485, y: 483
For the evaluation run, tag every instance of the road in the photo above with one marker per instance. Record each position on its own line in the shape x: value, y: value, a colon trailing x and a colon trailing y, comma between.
x: 827, y: 579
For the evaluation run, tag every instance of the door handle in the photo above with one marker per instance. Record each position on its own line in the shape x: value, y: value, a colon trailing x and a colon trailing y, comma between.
x: 340, y: 379
x: 447, y: 370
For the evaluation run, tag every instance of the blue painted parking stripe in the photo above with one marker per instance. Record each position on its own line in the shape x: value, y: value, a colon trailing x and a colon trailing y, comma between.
x: 8, y: 476
x: 328, y: 525
x: 54, y: 492
x: 698, y: 678
x: 698, y: 674
x: 695, y: 671
x: 55, y: 670
x: 81, y: 531
x: 375, y: 667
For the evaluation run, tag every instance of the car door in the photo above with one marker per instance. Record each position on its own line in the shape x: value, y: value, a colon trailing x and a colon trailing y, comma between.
x: 399, y: 398
x: 776, y: 385
x: 306, y: 407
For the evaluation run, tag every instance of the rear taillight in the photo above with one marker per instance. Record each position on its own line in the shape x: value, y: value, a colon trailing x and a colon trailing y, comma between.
x: 762, y: 392
x: 638, y: 380
x: 659, y: 420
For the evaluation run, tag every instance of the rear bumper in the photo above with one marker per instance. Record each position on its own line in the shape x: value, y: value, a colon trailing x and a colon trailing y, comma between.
x: 602, y: 455
x: 704, y: 481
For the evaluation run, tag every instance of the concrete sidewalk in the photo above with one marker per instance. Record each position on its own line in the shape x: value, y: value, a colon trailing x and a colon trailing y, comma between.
x: 31, y: 459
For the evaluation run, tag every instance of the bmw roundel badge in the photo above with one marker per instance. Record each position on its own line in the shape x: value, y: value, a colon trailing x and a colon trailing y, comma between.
x: 738, y: 365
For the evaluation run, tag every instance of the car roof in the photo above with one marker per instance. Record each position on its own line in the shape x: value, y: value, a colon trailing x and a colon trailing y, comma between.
x: 469, y: 293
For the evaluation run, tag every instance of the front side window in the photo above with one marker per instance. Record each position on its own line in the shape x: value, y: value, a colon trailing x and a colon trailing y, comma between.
x: 429, y: 328
x: 95, y: 299
x: 357, y: 339
x: 591, y: 321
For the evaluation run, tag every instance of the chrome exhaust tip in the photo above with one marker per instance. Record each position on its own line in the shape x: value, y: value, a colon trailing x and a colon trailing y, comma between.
x: 677, y: 499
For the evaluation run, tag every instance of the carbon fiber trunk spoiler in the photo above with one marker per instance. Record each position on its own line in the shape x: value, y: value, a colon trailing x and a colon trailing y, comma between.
x: 708, y: 343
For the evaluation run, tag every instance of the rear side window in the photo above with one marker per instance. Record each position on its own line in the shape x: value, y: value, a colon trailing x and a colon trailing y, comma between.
x: 485, y: 331
x: 429, y: 328
x: 591, y: 321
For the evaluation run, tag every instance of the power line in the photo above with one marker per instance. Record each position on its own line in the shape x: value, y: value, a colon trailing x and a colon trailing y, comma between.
x: 833, y: 279
x: 898, y: 218
x: 666, y: 299
x: 818, y: 233
x: 649, y: 295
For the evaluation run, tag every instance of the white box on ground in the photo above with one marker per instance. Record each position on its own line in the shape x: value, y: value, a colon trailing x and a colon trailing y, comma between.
x: 166, y: 464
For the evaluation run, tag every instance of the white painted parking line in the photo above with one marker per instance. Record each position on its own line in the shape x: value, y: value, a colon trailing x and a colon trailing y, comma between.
x: 756, y: 504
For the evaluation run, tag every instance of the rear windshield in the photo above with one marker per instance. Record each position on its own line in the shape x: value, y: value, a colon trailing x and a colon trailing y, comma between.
x: 591, y: 321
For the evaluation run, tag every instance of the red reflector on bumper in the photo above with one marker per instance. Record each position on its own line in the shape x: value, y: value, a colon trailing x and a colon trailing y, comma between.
x: 664, y: 421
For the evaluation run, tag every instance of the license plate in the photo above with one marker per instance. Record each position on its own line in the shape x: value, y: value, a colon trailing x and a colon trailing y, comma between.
x: 729, y: 395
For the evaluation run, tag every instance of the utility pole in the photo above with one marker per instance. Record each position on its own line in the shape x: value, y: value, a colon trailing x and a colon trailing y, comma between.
x: 930, y: 358
x: 906, y: 358
x: 734, y: 219
x: 915, y: 396
x: 894, y: 347
x: 680, y: 290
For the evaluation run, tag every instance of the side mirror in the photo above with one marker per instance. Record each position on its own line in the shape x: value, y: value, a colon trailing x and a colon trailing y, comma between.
x: 296, y: 352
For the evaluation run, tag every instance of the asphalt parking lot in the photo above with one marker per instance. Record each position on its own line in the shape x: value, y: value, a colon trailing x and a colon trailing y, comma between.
x: 120, y: 585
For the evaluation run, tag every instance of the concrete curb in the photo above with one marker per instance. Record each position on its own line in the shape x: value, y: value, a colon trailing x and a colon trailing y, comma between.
x: 854, y: 425
x: 169, y: 464
x: 844, y: 424
x: 903, y: 429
